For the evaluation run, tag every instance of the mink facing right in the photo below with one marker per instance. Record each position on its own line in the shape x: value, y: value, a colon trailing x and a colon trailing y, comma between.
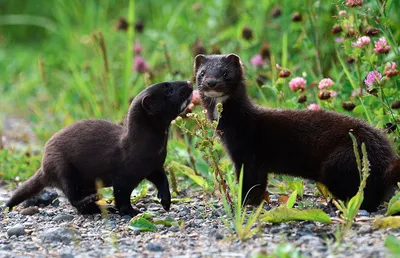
x: 94, y: 150
x: 309, y: 144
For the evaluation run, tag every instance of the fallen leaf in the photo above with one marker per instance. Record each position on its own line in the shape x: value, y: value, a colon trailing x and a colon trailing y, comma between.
x: 387, y: 222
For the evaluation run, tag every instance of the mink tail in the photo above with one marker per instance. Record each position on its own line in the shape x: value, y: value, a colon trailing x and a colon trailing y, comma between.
x: 30, y: 187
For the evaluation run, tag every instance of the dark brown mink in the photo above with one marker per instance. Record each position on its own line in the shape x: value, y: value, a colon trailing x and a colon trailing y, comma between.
x: 310, y: 144
x: 119, y: 156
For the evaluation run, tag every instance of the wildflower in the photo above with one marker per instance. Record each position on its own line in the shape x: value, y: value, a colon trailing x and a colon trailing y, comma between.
x: 265, y: 50
x: 390, y: 69
x: 327, y: 94
x: 357, y: 92
x: 381, y: 46
x: 284, y: 71
x: 339, y: 40
x: 198, y: 47
x: 390, y: 127
x: 297, y: 83
x: 336, y: 29
x: 215, y: 50
x: 302, y: 99
x: 333, y: 93
x: 353, y: 3
x: 313, y: 106
x: 372, y: 78
x: 137, y: 48
x: 197, y: 7
x: 257, y: 61
x: 396, y: 104
x: 247, y: 33
x: 362, y: 41
x: 371, y: 31
x: 325, y: 83
x: 323, y: 95
x: 196, y: 97
x: 348, y: 105
x: 140, y: 64
x: 261, y: 79
x: 342, y: 13
x: 139, y: 26
x: 297, y: 17
x: 351, y: 32
x: 276, y: 12
x: 122, y: 24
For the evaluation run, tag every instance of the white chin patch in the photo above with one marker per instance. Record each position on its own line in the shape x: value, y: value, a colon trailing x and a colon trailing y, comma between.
x: 186, y: 103
x: 213, y: 94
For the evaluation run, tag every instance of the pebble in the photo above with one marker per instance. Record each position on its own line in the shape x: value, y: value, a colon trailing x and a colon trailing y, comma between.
x: 58, y: 234
x: 364, y: 229
x: 16, y: 230
x: 154, y: 247
x: 30, y: 211
x: 63, y: 217
x: 363, y: 213
x: 218, y: 236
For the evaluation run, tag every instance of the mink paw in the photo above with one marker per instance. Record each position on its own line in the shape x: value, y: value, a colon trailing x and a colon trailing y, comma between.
x: 165, y: 199
x: 128, y: 210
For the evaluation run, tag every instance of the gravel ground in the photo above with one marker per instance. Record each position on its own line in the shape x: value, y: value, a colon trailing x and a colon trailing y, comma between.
x: 58, y: 231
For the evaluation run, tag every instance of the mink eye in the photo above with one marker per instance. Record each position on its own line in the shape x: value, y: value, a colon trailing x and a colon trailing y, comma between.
x: 202, y: 74
x: 225, y: 74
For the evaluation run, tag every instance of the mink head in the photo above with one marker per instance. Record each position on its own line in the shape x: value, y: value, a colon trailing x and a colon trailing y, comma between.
x: 218, y: 75
x: 166, y: 100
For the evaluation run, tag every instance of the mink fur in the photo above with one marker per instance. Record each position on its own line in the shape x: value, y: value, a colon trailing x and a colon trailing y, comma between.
x: 93, y: 150
x: 310, y: 144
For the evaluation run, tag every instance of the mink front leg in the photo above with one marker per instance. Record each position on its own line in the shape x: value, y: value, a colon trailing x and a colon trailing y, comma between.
x: 160, y: 180
x: 123, y: 188
x: 255, y: 179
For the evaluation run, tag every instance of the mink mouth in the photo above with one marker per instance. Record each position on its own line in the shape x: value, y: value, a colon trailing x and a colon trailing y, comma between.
x: 214, y: 93
x: 186, y: 102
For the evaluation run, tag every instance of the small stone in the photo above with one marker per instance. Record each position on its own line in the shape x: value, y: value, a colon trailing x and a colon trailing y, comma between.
x: 174, y: 229
x: 126, y: 218
x: 154, y: 247
x: 136, y: 232
x: 63, y: 217
x: 365, y: 229
x: 16, y: 230
x: 67, y: 255
x: 218, y: 236
x: 363, y: 213
x: 30, y: 211
x: 58, y: 234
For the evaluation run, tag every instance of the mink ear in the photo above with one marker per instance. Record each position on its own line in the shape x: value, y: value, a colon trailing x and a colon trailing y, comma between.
x: 146, y: 104
x: 198, y: 61
x: 234, y: 59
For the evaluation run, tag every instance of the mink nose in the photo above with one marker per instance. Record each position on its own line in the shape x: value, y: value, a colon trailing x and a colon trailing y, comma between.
x: 211, y: 83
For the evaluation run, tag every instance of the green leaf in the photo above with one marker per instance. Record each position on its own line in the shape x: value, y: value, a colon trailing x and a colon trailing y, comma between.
x: 142, y: 224
x: 394, y: 205
x: 181, y: 200
x: 323, y: 190
x: 292, y: 200
x: 187, y: 171
x: 107, y: 194
x: 284, y: 214
x: 393, y: 244
x: 387, y: 222
x: 166, y: 222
